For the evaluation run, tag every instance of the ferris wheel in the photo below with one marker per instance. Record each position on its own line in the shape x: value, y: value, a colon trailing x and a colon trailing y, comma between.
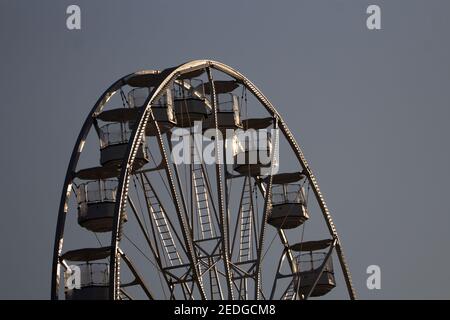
x: 187, y: 184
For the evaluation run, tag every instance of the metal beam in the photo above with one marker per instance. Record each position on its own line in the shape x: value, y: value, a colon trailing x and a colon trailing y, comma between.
x: 220, y: 192
x: 136, y: 274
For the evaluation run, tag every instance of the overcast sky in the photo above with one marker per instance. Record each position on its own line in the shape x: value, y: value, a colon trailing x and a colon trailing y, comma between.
x: 371, y: 110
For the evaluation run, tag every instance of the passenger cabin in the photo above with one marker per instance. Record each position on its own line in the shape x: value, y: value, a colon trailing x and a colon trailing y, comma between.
x: 253, y: 149
x: 114, y: 139
x: 96, y: 198
x: 315, y: 265
x: 114, y: 135
x: 190, y: 103
x: 92, y: 270
x: 288, y: 208
x: 228, y: 106
x: 143, y: 84
x: 162, y: 109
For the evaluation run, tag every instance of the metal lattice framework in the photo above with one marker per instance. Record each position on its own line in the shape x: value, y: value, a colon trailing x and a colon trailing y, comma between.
x: 206, y: 238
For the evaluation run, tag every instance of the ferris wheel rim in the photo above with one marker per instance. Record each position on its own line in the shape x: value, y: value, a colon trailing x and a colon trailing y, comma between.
x: 133, y: 143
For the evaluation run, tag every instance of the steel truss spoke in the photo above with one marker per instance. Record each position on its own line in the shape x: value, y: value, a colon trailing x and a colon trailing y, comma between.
x: 181, y: 214
x: 220, y: 191
x: 267, y: 204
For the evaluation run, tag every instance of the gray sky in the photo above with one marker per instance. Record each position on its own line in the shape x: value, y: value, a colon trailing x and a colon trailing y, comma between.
x: 370, y: 109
